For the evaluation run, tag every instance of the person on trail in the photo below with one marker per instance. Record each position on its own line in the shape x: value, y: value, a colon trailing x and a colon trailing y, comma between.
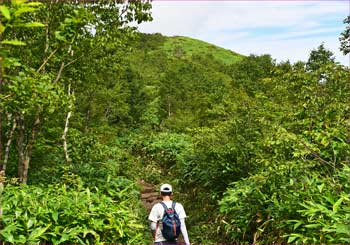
x: 164, y: 213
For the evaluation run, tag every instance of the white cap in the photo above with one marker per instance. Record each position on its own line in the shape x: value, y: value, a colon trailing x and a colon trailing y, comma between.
x: 166, y: 188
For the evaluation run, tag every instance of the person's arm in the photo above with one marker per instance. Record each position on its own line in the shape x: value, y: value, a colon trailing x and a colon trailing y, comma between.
x: 153, y: 218
x: 153, y: 228
x: 184, y: 232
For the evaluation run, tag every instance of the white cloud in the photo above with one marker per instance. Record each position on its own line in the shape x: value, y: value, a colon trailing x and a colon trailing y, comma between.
x: 284, y: 29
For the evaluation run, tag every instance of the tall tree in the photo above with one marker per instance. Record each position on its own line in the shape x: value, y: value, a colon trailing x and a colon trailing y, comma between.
x: 319, y: 57
x: 345, y: 37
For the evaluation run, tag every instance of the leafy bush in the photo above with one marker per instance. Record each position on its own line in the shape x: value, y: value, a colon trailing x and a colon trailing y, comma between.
x: 70, y: 214
x: 288, y: 204
x: 325, y: 216
x: 91, y: 159
x: 159, y: 153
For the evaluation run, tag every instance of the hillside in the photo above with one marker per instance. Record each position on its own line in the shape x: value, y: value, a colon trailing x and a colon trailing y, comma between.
x: 186, y: 47
x: 173, y: 67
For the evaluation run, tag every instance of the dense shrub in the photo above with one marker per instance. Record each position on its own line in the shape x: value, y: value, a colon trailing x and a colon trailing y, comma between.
x: 69, y: 213
x: 159, y: 154
x: 290, y: 203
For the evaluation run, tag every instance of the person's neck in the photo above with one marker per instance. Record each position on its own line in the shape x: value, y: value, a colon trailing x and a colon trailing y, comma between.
x: 166, y: 198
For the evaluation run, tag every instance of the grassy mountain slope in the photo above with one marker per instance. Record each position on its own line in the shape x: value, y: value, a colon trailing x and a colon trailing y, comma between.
x: 154, y: 54
x: 186, y: 46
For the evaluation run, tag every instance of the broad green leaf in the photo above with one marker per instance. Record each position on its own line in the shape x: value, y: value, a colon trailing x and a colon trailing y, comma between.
x: 32, y: 24
x: 30, y: 223
x: 14, y: 42
x: 312, y: 225
x: 344, y: 229
x: 18, y: 2
x: 320, y: 187
x: 92, y: 232
x: 55, y: 216
x: 59, y: 36
x: 291, y: 239
x: 296, y: 225
x: 329, y: 198
x: 337, y: 204
x: 5, y: 12
x: 37, y: 233
x: 34, y: 4
x: 9, y: 238
x: 2, y: 28
x: 23, y: 10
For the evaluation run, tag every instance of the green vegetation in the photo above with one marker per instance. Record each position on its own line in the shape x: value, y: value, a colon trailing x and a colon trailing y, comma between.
x: 70, y: 213
x: 88, y: 107
x: 184, y: 46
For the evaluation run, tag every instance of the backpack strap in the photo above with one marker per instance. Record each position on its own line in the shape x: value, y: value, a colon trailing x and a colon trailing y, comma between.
x: 164, y: 206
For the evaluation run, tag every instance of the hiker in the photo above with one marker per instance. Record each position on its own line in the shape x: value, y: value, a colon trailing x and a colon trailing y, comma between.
x: 165, y: 218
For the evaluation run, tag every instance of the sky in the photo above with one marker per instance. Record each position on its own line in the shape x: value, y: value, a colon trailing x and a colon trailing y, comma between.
x: 287, y: 30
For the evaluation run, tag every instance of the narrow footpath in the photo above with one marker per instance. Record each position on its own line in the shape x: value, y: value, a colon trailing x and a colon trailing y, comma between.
x: 149, y: 196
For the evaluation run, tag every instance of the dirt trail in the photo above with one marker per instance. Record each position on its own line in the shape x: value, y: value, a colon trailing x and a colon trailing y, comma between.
x: 149, y: 196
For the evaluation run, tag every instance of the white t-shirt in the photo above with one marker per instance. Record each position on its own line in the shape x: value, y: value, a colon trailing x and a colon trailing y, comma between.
x: 157, y: 213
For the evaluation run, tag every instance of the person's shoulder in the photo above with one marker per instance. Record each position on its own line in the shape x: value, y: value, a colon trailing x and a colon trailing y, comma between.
x: 158, y: 204
x: 179, y: 205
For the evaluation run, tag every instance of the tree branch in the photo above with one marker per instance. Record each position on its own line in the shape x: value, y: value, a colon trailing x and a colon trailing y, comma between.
x: 315, y: 154
x: 46, y: 60
x: 59, y: 73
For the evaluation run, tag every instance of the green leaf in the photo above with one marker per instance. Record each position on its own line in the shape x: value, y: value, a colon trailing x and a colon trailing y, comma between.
x: 341, y: 228
x: 34, y: 4
x: 92, y: 232
x: 296, y: 225
x: 59, y: 36
x: 14, y: 42
x: 37, y: 233
x: 23, y: 10
x: 320, y: 187
x: 2, y: 28
x: 55, y: 216
x: 5, y: 12
x: 312, y: 225
x: 30, y: 223
x: 291, y: 239
x: 337, y: 204
x: 32, y: 24
x: 18, y: 2
x: 9, y: 238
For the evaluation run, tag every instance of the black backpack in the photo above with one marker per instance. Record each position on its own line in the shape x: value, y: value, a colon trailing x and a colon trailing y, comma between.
x: 171, y: 223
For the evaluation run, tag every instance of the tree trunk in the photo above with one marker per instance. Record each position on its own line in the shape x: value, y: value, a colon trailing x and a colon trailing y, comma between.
x: 2, y: 177
x: 25, y: 150
x: 20, y: 146
x: 66, y: 126
x: 8, y: 144
x: 87, y: 119
x: 29, y: 149
x: 169, y: 106
x: 64, y: 137
x: 1, y: 113
x: 1, y: 144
